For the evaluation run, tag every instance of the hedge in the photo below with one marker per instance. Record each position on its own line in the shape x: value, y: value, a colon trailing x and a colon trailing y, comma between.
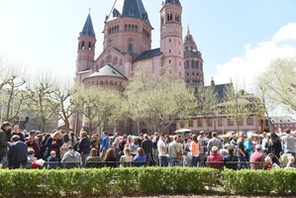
x: 143, y: 181
x: 104, y: 182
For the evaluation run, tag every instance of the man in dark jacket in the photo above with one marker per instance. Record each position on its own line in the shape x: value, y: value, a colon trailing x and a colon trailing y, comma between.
x: 17, y: 153
x: 16, y: 131
x: 3, y: 145
x: 84, y: 147
x: 6, y: 127
x: 147, y: 146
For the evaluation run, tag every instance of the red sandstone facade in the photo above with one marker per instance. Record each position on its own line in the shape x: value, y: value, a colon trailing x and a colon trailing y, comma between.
x: 127, y: 44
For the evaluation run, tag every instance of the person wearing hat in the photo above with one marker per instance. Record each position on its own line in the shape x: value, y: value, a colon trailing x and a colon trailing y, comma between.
x: 257, y: 157
x: 71, y: 156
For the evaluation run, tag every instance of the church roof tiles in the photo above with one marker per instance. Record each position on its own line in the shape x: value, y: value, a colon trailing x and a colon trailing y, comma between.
x: 88, y: 29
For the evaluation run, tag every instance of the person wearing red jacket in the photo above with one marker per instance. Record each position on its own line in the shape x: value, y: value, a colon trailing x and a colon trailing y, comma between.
x: 215, y: 157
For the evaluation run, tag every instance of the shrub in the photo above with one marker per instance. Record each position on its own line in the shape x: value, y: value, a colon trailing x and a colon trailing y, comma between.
x: 102, y: 182
x: 143, y: 181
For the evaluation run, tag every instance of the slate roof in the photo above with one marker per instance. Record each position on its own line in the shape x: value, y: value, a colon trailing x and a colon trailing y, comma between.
x: 88, y: 29
x: 128, y: 8
x: 108, y: 70
x: 149, y: 54
x: 164, y: 2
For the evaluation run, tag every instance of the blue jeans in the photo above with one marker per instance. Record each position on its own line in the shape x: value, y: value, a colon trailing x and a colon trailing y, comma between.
x: 83, y: 157
x: 174, y: 161
x: 163, y: 161
x: 242, y: 165
x: 195, y: 161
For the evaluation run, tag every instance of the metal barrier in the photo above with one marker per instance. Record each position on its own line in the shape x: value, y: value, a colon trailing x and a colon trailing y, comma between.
x: 90, y: 164
x: 234, y: 164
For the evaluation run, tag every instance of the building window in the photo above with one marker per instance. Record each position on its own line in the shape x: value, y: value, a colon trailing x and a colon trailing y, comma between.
x: 230, y: 122
x: 170, y: 51
x: 199, y: 123
x: 196, y: 65
x: 187, y: 65
x: 182, y: 124
x: 192, y: 73
x: 146, y: 33
x: 192, y: 64
x: 210, y: 123
x: 190, y: 123
x: 250, y: 121
x: 240, y: 122
x: 187, y: 74
x: 220, y: 122
x: 170, y: 40
x: 170, y: 61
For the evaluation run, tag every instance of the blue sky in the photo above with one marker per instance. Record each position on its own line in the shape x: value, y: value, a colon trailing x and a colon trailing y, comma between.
x: 42, y: 34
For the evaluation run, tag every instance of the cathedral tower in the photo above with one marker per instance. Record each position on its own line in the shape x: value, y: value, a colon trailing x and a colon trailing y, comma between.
x: 193, y: 63
x: 86, y: 46
x: 171, y: 36
x: 127, y: 28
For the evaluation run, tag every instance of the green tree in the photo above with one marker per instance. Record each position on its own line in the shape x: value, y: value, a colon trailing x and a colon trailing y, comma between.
x: 280, y: 83
x: 62, y: 95
x: 207, y: 100
x: 39, y: 93
x: 98, y: 106
x: 239, y: 105
x: 159, y: 100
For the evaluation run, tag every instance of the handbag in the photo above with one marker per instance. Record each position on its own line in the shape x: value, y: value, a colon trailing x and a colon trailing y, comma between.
x: 179, y: 155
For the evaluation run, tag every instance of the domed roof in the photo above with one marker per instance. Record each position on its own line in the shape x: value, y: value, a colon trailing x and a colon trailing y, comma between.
x: 107, y: 70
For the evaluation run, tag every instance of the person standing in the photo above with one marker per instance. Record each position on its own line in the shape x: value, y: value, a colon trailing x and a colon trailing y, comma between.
x: 175, y: 152
x: 241, y: 156
x: 17, y: 154
x: 215, y: 141
x: 84, y: 147
x: 265, y: 143
x: 105, y: 144
x: 195, y: 151
x: 154, y: 148
x: 116, y: 146
x: 203, y: 142
x: 3, y: 145
x: 16, y: 131
x: 53, y: 143
x: 275, y: 145
x: 249, y: 147
x: 147, y: 146
x: 6, y: 127
x: 290, y: 143
x: 162, y: 149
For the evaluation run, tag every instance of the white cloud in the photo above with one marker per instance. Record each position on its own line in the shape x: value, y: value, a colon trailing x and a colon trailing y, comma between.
x: 244, y: 70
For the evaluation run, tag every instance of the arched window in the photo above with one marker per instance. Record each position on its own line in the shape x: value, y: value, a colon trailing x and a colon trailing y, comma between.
x: 187, y: 65
x: 192, y: 64
x: 82, y: 45
x: 129, y: 27
x: 89, y: 46
x: 196, y: 64
x: 136, y: 28
x: 133, y: 28
x: 125, y: 27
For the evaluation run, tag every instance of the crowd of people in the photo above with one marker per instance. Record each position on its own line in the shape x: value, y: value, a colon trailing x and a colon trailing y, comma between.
x: 18, y: 149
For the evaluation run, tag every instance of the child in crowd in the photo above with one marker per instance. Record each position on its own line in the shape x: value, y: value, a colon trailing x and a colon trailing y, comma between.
x: 51, y: 159
x: 31, y: 156
x: 268, y: 163
x: 127, y: 157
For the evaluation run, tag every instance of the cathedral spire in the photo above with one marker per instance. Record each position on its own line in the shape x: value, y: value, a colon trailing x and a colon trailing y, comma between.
x: 177, y: 2
x: 88, y: 29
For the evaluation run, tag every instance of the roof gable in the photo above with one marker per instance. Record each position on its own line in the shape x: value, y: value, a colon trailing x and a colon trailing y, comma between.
x: 108, y: 70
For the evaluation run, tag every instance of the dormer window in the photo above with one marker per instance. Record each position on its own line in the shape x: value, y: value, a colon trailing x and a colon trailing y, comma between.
x: 131, y: 12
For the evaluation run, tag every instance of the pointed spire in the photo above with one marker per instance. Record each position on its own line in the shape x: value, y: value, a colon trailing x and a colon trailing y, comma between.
x: 188, y: 30
x: 88, y: 29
